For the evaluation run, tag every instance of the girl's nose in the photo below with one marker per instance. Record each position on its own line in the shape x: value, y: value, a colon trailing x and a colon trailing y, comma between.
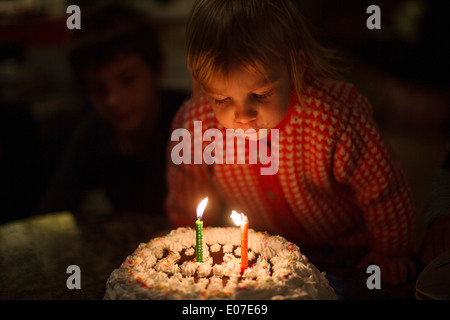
x: 245, y: 115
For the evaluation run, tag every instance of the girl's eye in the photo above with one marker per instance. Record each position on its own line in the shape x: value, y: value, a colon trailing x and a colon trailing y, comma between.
x: 221, y: 101
x: 261, y: 97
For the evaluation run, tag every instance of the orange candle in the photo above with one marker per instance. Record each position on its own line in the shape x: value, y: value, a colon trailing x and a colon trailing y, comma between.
x: 242, y: 221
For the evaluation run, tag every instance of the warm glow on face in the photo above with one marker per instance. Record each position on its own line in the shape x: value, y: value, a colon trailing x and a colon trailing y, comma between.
x: 201, y: 207
x: 250, y: 100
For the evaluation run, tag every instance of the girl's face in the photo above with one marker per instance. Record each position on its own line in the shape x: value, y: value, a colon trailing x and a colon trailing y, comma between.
x: 124, y: 93
x: 250, y: 100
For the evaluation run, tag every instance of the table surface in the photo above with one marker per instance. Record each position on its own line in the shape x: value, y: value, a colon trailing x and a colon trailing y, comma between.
x: 36, y: 252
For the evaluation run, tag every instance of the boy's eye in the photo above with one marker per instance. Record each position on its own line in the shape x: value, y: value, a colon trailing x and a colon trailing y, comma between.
x: 96, y: 88
x: 126, y: 80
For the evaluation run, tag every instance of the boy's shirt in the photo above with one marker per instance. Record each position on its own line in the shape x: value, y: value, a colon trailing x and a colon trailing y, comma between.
x: 336, y: 183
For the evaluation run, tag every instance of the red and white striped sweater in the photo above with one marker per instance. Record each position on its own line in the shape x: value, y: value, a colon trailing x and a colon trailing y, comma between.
x: 337, y: 183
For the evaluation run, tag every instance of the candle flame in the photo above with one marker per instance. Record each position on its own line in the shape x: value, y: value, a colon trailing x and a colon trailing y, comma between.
x: 201, y: 208
x: 238, y: 218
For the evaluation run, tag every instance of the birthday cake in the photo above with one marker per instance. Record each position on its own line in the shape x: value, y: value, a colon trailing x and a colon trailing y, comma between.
x: 166, y: 268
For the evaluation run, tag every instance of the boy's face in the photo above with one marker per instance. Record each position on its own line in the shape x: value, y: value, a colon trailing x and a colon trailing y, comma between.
x: 124, y: 93
x: 249, y: 100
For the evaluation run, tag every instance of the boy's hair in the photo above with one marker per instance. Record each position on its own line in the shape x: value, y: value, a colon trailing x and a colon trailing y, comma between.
x: 110, y: 30
x: 253, y: 34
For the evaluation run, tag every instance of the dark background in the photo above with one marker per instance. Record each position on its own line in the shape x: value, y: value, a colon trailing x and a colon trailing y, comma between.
x: 402, y: 69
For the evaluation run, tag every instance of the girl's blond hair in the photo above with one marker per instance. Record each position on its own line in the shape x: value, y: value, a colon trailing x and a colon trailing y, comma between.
x: 253, y: 34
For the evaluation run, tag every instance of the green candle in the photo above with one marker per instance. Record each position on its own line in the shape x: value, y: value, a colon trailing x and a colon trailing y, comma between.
x: 199, y: 240
x: 199, y: 230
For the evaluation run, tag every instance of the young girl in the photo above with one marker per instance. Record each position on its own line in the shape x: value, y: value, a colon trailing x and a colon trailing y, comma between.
x: 255, y: 66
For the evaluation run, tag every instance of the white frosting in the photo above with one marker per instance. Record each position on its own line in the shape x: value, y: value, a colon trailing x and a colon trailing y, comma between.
x: 216, y: 247
x: 251, y: 255
x: 204, y: 268
x: 189, y: 268
x: 227, y: 248
x: 280, y: 270
x: 189, y: 252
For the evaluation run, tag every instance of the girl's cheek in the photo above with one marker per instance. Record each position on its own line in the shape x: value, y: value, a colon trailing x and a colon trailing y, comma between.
x: 224, y: 119
x: 221, y: 114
